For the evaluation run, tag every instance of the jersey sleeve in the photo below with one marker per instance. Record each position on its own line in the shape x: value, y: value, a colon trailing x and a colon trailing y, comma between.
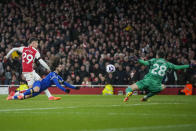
x: 37, y: 55
x: 43, y: 63
x: 177, y: 67
x: 65, y: 83
x: 19, y: 49
x: 55, y: 80
x: 147, y: 63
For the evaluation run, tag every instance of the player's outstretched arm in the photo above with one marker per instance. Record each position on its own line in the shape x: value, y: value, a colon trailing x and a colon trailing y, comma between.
x: 178, y: 67
x: 12, y: 50
x: 43, y: 63
x: 55, y: 80
x: 70, y: 86
x: 66, y: 84
x: 144, y: 62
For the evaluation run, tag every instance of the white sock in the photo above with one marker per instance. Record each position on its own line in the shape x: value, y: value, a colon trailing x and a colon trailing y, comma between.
x: 17, y: 93
x: 47, y: 92
x: 145, y: 97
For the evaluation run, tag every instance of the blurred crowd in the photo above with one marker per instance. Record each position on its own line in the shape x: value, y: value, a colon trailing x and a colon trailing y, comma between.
x: 89, y: 34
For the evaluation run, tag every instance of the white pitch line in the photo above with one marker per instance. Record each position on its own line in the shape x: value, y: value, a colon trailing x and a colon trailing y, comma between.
x: 145, y: 128
x: 110, y: 113
x: 29, y: 109
x: 72, y: 107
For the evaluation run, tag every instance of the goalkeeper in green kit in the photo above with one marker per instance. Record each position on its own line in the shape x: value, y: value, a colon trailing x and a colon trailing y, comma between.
x: 153, y: 79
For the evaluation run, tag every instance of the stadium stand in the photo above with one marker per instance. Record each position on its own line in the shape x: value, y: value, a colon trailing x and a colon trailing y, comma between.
x: 88, y: 34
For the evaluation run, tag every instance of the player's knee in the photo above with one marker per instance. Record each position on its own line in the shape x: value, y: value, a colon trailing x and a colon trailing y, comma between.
x: 134, y: 87
x: 163, y: 87
x: 36, y: 89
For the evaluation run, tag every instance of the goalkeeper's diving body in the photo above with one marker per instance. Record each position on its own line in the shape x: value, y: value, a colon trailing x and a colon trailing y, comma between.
x: 153, y: 79
x: 38, y: 86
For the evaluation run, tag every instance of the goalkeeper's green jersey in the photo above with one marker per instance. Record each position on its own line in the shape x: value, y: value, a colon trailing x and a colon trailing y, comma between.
x: 158, y: 68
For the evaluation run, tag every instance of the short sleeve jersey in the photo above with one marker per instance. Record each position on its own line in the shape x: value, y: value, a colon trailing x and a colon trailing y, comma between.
x: 28, y: 56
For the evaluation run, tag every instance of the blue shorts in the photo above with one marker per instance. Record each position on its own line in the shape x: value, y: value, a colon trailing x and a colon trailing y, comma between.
x: 37, y: 84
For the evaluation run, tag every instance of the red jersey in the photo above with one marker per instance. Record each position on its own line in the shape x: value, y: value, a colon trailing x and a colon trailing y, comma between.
x: 28, y: 56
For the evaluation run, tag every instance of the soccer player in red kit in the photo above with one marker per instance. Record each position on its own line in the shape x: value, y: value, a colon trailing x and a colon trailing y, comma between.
x: 29, y: 54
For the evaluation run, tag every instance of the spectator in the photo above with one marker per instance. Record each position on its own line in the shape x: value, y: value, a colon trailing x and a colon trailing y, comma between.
x: 171, y: 78
x: 96, y: 81
x: 14, y: 80
x: 86, y: 82
x: 1, y: 67
x: 77, y: 80
x: 8, y: 76
x: 142, y: 72
x: 1, y: 72
x: 120, y: 76
x: 110, y: 79
x: 102, y: 80
x: 133, y: 76
x: 83, y: 73
x: 110, y: 32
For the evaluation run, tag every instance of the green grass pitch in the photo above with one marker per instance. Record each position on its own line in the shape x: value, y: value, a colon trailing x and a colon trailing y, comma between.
x: 99, y: 113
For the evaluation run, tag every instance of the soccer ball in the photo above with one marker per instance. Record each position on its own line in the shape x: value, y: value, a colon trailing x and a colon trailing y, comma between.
x: 110, y: 68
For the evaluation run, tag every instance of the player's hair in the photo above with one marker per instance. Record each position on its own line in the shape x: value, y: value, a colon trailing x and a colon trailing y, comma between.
x: 32, y: 39
x: 161, y: 54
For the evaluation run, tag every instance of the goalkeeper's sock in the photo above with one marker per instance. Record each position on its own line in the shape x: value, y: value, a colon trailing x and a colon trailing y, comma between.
x: 129, y: 92
x: 129, y: 89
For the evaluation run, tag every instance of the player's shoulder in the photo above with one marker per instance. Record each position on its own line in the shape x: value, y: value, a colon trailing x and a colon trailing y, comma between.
x: 35, y: 49
x: 158, y: 61
x: 52, y: 75
x: 152, y: 60
x: 21, y: 48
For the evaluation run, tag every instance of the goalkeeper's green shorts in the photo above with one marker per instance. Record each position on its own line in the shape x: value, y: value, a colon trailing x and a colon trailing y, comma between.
x: 150, y: 85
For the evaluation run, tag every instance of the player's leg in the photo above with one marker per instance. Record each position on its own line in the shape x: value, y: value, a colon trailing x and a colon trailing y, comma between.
x: 47, y: 92
x: 20, y: 90
x: 153, y: 92
x: 26, y: 95
x: 31, y: 92
x: 130, y: 89
x: 146, y: 97
x: 29, y: 78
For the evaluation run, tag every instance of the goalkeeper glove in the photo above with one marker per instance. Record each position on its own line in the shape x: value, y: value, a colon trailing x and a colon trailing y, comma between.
x: 192, y: 65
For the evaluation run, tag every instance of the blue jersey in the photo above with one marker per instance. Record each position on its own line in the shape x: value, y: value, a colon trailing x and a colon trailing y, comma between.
x: 52, y: 79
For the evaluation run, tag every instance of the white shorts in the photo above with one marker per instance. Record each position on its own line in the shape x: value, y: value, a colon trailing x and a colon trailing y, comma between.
x: 31, y: 77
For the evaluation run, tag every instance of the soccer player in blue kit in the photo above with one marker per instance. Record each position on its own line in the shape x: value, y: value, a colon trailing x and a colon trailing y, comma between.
x: 51, y: 79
